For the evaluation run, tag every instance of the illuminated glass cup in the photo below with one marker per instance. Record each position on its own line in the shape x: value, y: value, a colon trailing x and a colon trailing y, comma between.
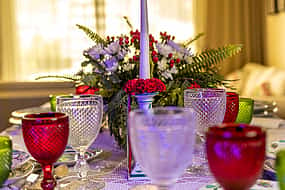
x: 280, y: 168
x: 245, y: 110
x: 5, y: 158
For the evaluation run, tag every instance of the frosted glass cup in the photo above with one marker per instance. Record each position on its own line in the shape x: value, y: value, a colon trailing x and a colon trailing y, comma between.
x: 162, y: 141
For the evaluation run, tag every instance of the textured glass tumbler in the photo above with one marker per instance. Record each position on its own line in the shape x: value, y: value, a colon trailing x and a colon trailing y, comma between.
x: 232, y: 107
x: 280, y: 168
x: 85, y: 115
x: 162, y: 141
x: 210, y: 106
x: 5, y: 158
x: 245, y: 110
x: 45, y: 136
x: 236, y: 154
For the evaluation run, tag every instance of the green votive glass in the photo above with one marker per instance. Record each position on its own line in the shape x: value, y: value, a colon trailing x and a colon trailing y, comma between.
x: 52, y: 100
x: 245, y: 111
x: 280, y: 168
x: 5, y: 158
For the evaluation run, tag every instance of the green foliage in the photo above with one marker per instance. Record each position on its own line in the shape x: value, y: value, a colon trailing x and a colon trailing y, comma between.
x: 92, y: 35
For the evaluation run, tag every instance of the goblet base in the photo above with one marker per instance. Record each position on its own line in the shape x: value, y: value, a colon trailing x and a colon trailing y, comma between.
x: 199, y: 165
x: 150, y: 187
x: 76, y: 183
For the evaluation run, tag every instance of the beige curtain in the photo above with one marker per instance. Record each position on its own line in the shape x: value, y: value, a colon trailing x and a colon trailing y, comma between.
x: 237, y: 21
x: 7, y: 40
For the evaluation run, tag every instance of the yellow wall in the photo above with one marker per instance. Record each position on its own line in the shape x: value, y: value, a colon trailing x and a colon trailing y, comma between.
x: 276, y: 40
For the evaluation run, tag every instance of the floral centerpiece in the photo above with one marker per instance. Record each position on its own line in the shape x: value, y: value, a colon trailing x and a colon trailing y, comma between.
x: 111, y: 68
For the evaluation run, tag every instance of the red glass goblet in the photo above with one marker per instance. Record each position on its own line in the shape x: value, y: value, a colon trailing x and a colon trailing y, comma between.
x: 236, y: 154
x: 232, y: 107
x: 45, y: 136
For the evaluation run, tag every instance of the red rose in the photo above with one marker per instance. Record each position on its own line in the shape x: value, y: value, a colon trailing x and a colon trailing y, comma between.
x: 151, y: 86
x: 194, y: 85
x: 140, y: 86
x: 130, y: 86
x: 84, y: 89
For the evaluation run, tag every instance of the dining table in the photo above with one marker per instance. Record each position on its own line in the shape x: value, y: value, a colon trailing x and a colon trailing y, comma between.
x: 112, y: 161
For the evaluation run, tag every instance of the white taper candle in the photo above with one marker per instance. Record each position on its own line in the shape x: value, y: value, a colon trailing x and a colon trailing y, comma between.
x: 144, y: 42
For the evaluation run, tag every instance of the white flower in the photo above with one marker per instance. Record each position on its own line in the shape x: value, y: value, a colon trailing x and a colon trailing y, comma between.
x: 164, y: 49
x: 128, y: 67
x: 167, y: 74
x: 189, y: 60
x: 111, y: 64
x: 162, y: 65
x: 173, y: 70
x: 95, y: 51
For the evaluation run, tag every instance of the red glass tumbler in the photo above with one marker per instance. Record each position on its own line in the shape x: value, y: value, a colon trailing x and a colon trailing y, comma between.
x: 236, y: 154
x: 45, y: 136
x: 232, y: 107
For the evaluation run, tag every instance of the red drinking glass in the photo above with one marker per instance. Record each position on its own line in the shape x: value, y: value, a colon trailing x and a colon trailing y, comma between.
x: 236, y: 154
x: 232, y: 107
x: 45, y: 136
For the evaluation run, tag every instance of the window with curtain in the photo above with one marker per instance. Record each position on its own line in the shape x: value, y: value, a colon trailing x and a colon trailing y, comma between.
x: 43, y: 37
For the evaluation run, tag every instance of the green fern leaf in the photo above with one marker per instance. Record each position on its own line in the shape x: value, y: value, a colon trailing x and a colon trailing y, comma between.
x: 209, y: 59
x: 188, y: 42
x: 92, y: 35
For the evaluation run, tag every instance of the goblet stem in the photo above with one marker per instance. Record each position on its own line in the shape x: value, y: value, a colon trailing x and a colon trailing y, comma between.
x: 164, y: 187
x: 48, y: 182
x: 81, y: 165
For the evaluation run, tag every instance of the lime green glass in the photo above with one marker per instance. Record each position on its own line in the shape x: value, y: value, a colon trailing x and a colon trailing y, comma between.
x: 52, y: 100
x: 245, y: 111
x: 5, y: 158
x: 280, y: 168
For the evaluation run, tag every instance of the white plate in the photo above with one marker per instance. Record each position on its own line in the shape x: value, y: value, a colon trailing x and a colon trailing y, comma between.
x: 274, y: 147
x: 69, y: 154
x: 20, y: 172
x: 260, y: 185
x: 19, y: 158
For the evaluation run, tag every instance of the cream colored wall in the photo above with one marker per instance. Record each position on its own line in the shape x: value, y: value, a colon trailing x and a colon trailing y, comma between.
x: 275, y: 34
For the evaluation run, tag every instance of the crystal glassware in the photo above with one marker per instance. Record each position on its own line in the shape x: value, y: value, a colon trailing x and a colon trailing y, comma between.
x: 280, y: 168
x: 5, y: 158
x: 245, y: 110
x: 85, y: 115
x: 45, y: 136
x: 232, y: 107
x: 236, y: 154
x: 209, y: 105
x: 162, y: 141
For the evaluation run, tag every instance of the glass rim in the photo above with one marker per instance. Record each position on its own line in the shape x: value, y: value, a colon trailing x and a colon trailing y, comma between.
x: 77, y: 96
x: 5, y: 142
x: 174, y: 111
x: 195, y: 90
x: 40, y: 116
x: 232, y: 94
x: 245, y: 99
x: 230, y: 131
x: 220, y: 93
